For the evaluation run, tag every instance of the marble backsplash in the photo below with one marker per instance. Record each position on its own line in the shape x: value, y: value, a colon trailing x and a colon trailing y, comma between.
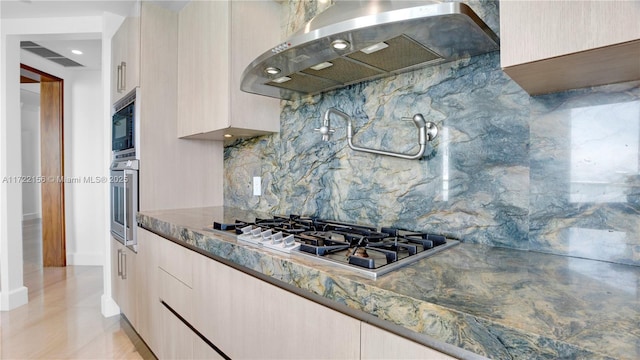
x: 557, y: 173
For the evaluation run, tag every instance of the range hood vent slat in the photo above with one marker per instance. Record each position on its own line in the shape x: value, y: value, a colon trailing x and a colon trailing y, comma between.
x: 344, y: 71
x: 305, y: 84
x: 417, y: 34
x: 401, y: 53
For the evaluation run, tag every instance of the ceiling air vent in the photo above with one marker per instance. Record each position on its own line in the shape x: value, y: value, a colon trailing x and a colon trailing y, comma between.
x: 48, y: 54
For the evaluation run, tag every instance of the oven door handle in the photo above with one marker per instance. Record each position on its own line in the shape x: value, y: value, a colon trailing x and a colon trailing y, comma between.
x: 125, y: 232
x: 130, y: 182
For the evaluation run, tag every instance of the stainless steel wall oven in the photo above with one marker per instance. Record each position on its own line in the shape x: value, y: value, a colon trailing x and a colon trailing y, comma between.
x: 125, y: 137
x: 124, y: 201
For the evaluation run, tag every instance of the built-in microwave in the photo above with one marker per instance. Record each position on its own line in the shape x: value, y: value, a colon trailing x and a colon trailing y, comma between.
x: 124, y: 127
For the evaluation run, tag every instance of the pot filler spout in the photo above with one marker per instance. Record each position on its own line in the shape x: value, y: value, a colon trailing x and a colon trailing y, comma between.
x: 355, y: 41
x: 427, y: 131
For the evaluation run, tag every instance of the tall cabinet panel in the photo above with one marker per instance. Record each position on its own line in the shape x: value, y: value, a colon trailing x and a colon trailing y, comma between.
x: 125, y: 58
x: 174, y: 173
x: 203, y: 60
x: 149, y: 307
x: 217, y: 40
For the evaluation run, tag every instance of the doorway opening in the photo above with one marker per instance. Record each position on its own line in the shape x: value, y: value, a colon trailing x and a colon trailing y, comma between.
x: 51, y: 176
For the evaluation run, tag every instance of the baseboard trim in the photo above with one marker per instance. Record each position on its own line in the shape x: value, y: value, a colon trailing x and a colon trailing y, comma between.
x: 109, y: 307
x: 14, y: 299
x: 85, y: 259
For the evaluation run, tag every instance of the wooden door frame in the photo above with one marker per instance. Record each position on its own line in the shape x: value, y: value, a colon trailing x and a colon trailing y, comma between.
x: 51, y: 164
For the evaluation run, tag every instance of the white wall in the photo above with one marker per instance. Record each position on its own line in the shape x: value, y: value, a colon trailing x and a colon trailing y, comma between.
x: 84, y: 150
x: 85, y: 205
x: 81, y: 242
x: 13, y: 293
x: 30, y: 137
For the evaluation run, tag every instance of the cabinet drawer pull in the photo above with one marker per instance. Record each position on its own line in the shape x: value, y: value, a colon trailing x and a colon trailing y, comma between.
x: 119, y: 263
x: 124, y: 266
x: 124, y: 75
x: 119, y: 79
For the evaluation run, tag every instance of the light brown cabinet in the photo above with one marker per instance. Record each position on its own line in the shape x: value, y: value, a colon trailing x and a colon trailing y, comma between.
x: 123, y: 280
x: 174, y: 173
x: 235, y: 309
x: 177, y: 338
x: 175, y: 279
x: 180, y: 342
x: 202, y: 350
x: 216, y: 42
x: 244, y: 317
x: 149, y: 307
x: 125, y: 58
x: 549, y: 46
x: 167, y: 289
x: 175, y: 296
x: 380, y: 344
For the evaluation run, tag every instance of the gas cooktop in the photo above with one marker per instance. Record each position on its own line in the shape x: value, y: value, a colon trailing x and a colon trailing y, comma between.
x: 363, y: 249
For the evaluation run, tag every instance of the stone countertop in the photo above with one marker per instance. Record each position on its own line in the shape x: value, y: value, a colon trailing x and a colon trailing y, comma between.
x: 496, y: 302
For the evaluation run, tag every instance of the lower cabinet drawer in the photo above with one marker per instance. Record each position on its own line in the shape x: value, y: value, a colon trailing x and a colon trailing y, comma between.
x: 377, y: 343
x: 177, y: 261
x: 176, y: 294
x: 209, y: 310
x: 202, y: 350
x: 177, y: 338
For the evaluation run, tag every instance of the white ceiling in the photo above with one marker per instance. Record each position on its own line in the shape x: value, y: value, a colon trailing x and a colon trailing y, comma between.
x: 11, y: 9
x: 91, y: 48
x: 91, y: 56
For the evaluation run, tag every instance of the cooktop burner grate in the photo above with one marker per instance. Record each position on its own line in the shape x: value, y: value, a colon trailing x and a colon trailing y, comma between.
x: 364, y: 249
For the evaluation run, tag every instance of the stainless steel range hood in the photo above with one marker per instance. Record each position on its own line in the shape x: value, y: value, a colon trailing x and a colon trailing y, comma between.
x: 354, y: 41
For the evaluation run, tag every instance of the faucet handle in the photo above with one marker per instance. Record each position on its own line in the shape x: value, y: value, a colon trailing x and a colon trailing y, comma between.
x: 417, y: 119
x: 432, y: 130
x: 326, y: 132
x: 428, y: 128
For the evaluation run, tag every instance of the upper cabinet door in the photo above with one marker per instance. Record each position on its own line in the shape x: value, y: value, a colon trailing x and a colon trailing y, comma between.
x: 549, y: 46
x: 203, y: 67
x: 125, y: 58
x: 216, y: 41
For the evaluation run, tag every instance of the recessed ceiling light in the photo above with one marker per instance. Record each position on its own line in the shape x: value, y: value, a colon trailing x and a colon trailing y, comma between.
x: 228, y: 136
x: 321, y: 66
x: 375, y: 47
x: 281, y: 79
x: 77, y: 52
x: 340, y: 44
x: 272, y: 70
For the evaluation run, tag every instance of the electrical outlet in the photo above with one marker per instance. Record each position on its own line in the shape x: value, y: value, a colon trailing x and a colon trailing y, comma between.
x: 257, y: 186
